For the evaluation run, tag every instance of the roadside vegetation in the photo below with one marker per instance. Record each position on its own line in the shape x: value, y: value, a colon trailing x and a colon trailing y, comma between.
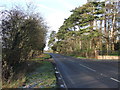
x: 23, y: 38
x: 43, y: 75
x: 76, y: 56
x: 38, y: 74
x: 92, y: 29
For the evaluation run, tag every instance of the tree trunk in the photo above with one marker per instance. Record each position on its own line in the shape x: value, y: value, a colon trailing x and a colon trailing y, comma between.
x: 100, y: 38
x: 112, y: 31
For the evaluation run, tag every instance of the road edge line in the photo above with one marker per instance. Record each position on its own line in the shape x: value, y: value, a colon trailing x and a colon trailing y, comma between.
x: 60, y: 74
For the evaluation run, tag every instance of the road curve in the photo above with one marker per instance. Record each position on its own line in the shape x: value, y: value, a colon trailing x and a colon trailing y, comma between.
x: 85, y: 73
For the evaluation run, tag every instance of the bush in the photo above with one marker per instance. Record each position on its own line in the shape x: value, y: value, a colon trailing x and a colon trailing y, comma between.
x: 23, y: 37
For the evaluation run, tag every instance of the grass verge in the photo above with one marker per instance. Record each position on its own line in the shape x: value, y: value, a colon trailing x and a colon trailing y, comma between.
x: 42, y: 77
x: 76, y: 56
x: 39, y: 74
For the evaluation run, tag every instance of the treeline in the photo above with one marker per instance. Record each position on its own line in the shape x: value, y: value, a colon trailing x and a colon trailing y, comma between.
x: 23, y: 37
x: 91, y: 28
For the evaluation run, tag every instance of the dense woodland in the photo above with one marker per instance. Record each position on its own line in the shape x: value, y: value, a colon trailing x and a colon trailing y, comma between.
x: 91, y: 29
x: 23, y: 37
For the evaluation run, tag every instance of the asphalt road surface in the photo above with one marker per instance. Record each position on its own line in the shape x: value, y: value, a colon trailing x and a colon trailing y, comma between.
x: 85, y: 73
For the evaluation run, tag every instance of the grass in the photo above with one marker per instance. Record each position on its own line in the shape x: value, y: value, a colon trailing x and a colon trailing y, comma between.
x: 112, y: 55
x: 76, y: 56
x: 79, y: 57
x: 0, y: 73
x: 42, y: 57
x: 0, y: 57
x: 40, y: 71
x: 44, y: 74
x: 0, y: 83
x: 15, y: 83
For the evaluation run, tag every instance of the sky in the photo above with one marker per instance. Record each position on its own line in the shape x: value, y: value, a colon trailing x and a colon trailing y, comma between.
x: 53, y: 11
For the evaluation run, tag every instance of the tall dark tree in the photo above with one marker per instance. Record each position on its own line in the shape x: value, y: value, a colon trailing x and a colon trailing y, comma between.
x: 90, y: 28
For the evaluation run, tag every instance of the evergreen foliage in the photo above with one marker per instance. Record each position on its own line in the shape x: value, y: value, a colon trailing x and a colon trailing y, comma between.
x: 90, y: 28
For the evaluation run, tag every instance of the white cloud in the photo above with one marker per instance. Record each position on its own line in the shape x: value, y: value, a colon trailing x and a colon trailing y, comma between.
x: 56, y: 19
x: 2, y: 8
x: 54, y: 15
x: 45, y: 7
x: 18, y: 0
x: 66, y: 4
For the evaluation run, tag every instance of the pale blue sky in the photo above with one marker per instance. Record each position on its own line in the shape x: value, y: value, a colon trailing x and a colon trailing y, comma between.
x: 53, y: 11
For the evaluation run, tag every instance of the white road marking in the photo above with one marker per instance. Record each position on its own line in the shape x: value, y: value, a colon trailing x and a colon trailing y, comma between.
x: 59, y: 78
x: 62, y: 86
x: 88, y: 68
x: 100, y: 74
x: 115, y: 79
x: 61, y: 75
x: 56, y: 72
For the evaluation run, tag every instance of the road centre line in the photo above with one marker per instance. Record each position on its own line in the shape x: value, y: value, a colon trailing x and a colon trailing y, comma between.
x: 101, y: 73
x: 88, y: 68
x: 115, y: 79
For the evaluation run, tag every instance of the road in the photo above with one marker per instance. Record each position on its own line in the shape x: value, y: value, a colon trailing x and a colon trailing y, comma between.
x: 85, y: 73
